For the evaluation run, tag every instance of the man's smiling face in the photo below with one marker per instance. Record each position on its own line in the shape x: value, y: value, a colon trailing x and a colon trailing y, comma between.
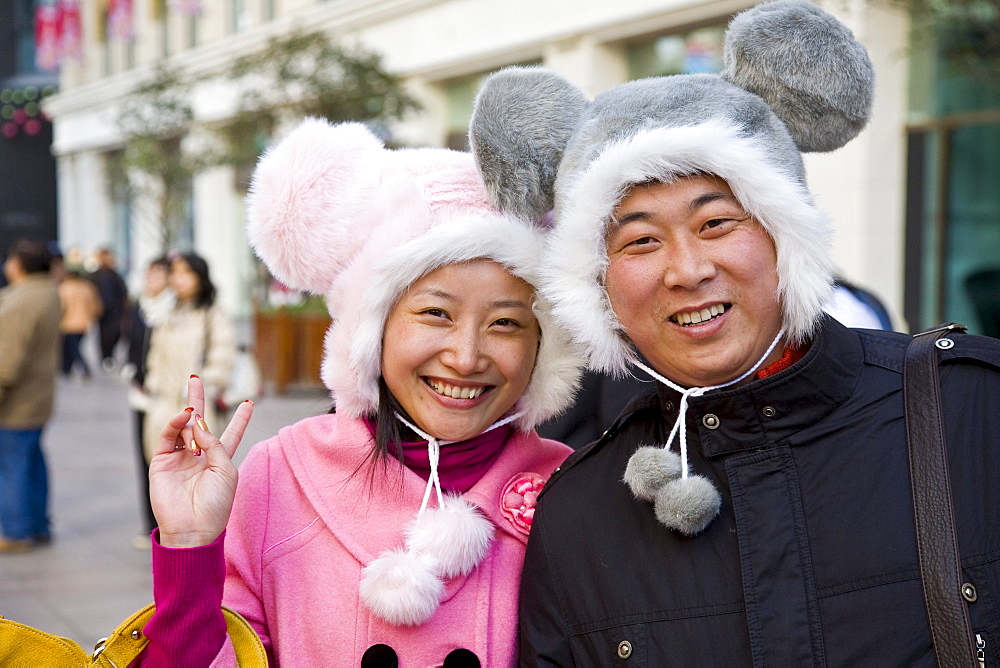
x: 693, y: 280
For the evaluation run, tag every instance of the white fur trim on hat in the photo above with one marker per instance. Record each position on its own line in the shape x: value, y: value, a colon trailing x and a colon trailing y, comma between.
x: 577, y: 251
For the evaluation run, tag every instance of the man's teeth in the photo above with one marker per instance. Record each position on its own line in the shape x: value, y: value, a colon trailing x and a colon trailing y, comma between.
x: 695, y: 317
x: 454, y: 391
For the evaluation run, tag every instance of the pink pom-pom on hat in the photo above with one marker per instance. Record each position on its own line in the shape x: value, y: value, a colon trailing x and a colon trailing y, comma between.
x: 309, y: 207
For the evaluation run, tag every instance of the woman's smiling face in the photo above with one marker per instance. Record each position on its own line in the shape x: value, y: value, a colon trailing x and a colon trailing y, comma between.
x: 459, y: 348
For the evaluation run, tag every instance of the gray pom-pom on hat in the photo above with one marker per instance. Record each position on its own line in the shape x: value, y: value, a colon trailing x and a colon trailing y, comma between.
x: 807, y: 66
x: 522, y: 180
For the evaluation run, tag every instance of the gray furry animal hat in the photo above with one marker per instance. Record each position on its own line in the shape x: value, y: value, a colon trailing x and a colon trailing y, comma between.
x: 794, y: 80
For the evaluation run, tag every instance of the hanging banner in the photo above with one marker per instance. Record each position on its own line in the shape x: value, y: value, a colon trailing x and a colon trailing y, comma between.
x: 120, y: 20
x: 46, y: 37
x: 70, y: 30
x: 186, y: 7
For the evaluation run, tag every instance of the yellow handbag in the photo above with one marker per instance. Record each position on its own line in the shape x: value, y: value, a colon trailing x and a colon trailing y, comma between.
x: 22, y: 646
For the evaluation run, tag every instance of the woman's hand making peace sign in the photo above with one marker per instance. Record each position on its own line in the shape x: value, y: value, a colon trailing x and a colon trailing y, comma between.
x: 192, y: 478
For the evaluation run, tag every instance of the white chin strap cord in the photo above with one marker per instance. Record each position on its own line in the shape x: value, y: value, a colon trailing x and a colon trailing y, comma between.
x: 434, y: 455
x: 689, y: 392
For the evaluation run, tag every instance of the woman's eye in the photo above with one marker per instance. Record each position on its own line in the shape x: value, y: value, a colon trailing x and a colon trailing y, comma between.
x: 507, y: 322
x: 434, y: 312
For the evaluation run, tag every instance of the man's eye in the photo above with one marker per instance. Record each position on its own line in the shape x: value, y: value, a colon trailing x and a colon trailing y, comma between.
x: 723, y: 222
x: 642, y: 241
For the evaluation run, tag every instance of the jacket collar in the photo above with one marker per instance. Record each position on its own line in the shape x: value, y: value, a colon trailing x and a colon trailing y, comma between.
x: 768, y: 411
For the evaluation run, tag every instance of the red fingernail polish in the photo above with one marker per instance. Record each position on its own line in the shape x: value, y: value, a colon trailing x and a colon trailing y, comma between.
x: 189, y: 409
x: 247, y: 401
x: 194, y: 375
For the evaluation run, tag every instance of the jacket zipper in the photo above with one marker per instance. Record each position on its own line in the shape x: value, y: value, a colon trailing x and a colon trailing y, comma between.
x: 981, y: 650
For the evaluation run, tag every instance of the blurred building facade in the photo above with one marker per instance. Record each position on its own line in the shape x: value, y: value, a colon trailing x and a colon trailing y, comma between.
x: 27, y: 168
x: 915, y: 199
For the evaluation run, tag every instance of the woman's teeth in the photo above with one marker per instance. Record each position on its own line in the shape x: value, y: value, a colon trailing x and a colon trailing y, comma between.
x: 454, y: 391
x: 696, y: 317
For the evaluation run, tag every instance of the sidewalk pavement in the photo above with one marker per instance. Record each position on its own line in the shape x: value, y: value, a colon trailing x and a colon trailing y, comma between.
x: 91, y: 578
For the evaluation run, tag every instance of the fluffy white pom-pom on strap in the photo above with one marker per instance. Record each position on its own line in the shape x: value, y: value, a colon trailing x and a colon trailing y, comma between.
x: 402, y: 587
x: 687, y: 505
x: 649, y: 469
x: 456, y: 535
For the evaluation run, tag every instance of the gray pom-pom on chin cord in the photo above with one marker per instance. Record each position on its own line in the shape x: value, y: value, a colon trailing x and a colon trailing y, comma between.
x: 649, y: 469
x: 687, y: 505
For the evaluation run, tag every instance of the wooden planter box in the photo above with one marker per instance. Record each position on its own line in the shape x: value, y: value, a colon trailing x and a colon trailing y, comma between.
x: 289, y: 347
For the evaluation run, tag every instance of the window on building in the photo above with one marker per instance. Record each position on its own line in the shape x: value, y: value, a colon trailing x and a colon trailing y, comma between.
x: 695, y: 51
x: 461, y: 94
x: 239, y: 16
x: 953, y: 192
x: 24, y: 36
x: 193, y: 22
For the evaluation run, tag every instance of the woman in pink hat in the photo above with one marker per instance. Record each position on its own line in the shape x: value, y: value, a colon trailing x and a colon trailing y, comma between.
x: 391, y: 531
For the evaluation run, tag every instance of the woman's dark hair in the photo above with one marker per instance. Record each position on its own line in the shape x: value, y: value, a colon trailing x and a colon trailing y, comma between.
x: 206, y: 289
x: 389, y: 431
x: 162, y: 261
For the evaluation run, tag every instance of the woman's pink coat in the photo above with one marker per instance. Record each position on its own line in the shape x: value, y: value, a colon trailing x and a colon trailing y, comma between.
x: 308, y: 517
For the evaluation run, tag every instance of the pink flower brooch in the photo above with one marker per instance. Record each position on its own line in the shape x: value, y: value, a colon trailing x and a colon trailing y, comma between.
x: 519, y: 498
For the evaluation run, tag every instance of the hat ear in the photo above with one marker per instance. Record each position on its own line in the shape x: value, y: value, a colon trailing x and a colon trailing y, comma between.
x: 311, y: 202
x: 807, y: 66
x: 522, y: 121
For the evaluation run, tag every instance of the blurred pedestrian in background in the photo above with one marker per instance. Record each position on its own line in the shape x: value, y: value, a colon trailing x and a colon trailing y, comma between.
x: 154, y: 304
x: 855, y: 306
x: 82, y: 307
x: 113, y: 297
x: 29, y: 357
x: 194, y: 334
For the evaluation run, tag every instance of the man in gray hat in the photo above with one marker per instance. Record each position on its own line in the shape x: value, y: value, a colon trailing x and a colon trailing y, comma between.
x: 755, y: 507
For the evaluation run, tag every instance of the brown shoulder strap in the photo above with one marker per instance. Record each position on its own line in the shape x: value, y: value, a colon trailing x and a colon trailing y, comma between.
x: 937, y: 541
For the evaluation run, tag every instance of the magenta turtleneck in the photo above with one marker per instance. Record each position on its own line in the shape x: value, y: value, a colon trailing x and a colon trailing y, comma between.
x: 461, y: 464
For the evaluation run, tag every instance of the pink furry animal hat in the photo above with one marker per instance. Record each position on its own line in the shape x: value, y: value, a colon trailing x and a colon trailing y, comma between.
x: 333, y: 212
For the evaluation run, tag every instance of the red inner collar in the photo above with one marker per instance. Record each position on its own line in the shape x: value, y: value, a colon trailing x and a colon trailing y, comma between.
x: 792, y: 355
